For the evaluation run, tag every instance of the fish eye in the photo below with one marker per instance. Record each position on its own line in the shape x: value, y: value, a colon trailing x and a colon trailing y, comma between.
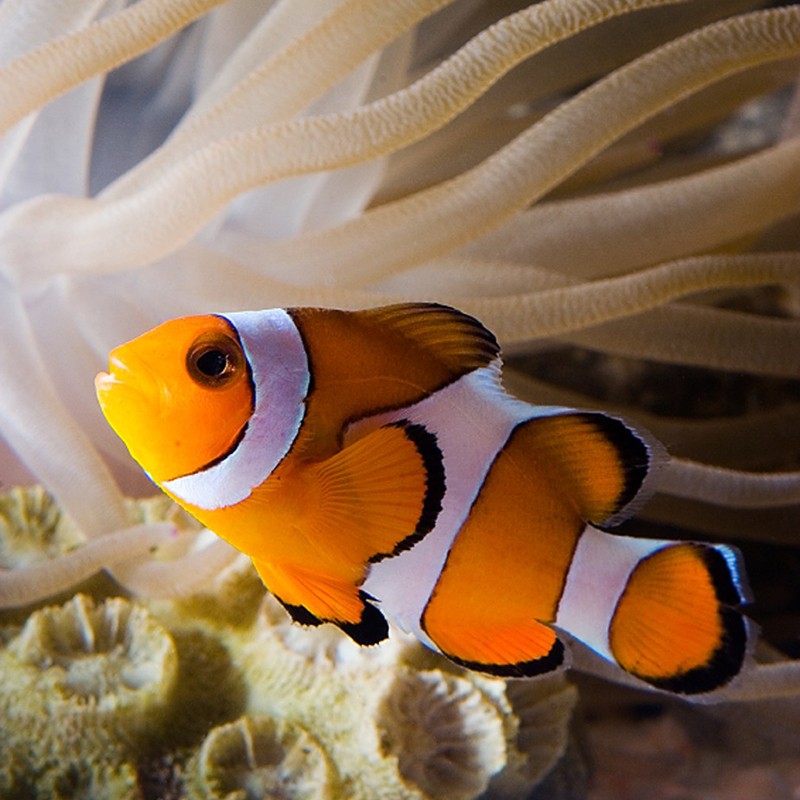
x: 212, y: 363
x: 213, y: 360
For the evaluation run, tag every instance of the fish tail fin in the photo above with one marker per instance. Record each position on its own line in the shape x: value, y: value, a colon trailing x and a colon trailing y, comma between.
x: 670, y: 614
x: 677, y: 624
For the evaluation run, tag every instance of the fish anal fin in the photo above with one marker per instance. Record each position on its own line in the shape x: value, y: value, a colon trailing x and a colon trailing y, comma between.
x: 600, y: 461
x: 519, y: 649
x: 379, y: 495
x: 674, y: 626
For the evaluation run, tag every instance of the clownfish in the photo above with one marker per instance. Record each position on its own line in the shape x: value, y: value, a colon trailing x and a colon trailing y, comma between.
x: 373, y: 467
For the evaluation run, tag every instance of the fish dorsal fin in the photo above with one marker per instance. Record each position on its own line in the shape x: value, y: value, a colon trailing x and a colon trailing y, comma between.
x: 459, y: 340
x: 598, y: 461
x: 379, y: 495
x: 366, y: 362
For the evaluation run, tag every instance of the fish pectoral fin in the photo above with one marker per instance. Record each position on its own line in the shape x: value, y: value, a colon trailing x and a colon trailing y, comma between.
x: 511, y: 649
x: 312, y: 598
x: 458, y: 340
x: 379, y: 495
x: 598, y: 461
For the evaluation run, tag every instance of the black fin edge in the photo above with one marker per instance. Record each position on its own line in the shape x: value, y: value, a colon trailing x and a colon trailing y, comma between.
x: 722, y: 667
x: 433, y: 463
x: 729, y: 590
x: 372, y: 628
x: 634, y: 449
x: 300, y: 614
x: 551, y: 662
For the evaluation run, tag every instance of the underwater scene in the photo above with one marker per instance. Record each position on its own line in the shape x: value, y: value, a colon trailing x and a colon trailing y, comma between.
x: 577, y: 576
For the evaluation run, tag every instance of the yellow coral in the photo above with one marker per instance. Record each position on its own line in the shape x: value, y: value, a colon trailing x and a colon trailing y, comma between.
x: 258, y: 757
x: 395, y: 723
x: 446, y: 736
x: 81, y: 683
x: 32, y: 528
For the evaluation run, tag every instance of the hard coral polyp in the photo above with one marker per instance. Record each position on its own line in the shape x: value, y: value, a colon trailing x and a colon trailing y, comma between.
x: 257, y: 757
x: 110, y: 659
x: 447, y: 736
x: 82, y: 687
x: 32, y: 528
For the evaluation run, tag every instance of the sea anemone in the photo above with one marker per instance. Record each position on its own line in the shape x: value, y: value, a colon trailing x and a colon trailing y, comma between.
x: 564, y: 171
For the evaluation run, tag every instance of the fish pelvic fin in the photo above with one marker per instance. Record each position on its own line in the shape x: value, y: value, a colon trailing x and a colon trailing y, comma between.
x: 312, y: 599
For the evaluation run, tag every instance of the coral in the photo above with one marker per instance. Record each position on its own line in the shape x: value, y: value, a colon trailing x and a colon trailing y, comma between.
x: 112, y: 661
x: 540, y: 711
x: 32, y: 528
x: 395, y: 722
x: 82, y: 683
x: 258, y: 757
x: 446, y: 736
x: 92, y: 691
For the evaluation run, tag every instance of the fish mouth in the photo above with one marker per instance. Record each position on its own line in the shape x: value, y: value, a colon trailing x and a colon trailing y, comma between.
x: 104, y: 382
x: 119, y: 377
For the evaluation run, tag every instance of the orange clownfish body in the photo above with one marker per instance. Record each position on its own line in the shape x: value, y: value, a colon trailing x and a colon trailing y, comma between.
x: 372, y: 466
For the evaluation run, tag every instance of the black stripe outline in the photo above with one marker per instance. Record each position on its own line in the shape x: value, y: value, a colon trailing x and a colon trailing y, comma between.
x: 435, y: 485
x: 550, y: 662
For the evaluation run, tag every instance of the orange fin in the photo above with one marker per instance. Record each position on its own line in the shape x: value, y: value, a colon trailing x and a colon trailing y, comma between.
x: 675, y: 625
x: 312, y: 599
x: 379, y: 495
x: 516, y: 650
x: 599, y: 461
x: 458, y: 340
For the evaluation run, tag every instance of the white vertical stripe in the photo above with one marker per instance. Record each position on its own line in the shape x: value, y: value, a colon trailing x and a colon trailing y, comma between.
x: 598, y: 575
x: 276, y: 354
x: 472, y: 419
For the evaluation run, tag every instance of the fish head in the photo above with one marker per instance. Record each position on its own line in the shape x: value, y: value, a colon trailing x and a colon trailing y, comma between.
x: 179, y: 396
